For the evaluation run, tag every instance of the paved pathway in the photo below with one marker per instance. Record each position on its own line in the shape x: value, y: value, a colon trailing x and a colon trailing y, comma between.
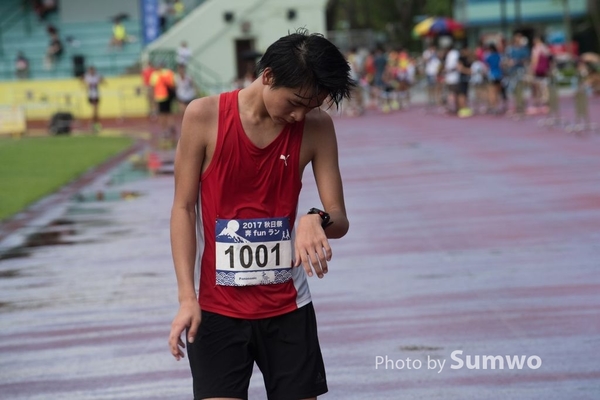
x: 478, y: 235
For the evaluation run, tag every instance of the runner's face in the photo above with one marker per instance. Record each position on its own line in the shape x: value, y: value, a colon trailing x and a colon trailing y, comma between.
x: 287, y: 105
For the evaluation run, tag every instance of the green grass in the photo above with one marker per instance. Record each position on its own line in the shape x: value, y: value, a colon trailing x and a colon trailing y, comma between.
x: 31, y: 168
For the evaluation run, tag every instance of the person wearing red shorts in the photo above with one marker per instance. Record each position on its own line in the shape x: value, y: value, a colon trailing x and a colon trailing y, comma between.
x: 238, y: 175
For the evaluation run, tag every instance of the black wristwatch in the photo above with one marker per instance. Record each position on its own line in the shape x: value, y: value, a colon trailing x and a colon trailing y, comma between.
x: 325, y: 218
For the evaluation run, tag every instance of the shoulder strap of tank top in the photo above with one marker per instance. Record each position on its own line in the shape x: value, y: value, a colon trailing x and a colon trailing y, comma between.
x: 223, y: 126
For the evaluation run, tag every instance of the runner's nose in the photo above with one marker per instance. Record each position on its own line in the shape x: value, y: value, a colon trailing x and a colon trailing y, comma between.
x: 298, y: 115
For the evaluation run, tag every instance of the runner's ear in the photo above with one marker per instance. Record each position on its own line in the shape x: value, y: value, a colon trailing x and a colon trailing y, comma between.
x: 267, y: 77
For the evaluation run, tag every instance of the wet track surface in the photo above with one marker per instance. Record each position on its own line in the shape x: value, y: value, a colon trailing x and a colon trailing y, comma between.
x: 478, y: 235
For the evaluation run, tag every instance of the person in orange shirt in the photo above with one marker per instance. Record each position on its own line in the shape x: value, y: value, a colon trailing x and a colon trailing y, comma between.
x: 163, y: 84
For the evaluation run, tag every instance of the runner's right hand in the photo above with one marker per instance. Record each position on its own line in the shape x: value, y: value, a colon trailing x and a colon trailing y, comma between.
x: 188, y: 317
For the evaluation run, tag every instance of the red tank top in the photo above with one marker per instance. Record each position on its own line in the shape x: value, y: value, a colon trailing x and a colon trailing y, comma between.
x: 248, y: 202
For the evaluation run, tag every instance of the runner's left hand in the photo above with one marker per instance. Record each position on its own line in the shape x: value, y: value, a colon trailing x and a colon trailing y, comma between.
x: 311, y: 245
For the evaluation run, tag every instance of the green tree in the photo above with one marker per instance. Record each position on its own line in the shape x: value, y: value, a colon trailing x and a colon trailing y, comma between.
x: 394, y: 17
x: 438, y: 7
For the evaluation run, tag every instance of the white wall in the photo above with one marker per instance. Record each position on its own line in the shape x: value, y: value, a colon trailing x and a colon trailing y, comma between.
x: 212, y: 40
x: 97, y: 10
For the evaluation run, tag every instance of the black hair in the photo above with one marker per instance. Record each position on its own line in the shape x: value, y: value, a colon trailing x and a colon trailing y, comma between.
x: 303, y: 60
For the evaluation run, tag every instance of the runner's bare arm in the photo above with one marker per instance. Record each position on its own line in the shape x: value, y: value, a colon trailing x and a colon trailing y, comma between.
x: 312, y: 247
x: 327, y: 174
x: 189, y: 160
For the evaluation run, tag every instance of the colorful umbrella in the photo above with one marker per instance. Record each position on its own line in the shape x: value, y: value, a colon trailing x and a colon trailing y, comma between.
x: 436, y: 26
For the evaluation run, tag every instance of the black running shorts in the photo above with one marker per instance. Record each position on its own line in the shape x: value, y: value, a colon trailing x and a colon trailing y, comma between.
x: 285, y: 348
x: 164, y: 107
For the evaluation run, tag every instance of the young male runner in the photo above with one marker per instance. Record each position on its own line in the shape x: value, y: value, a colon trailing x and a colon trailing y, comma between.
x: 238, y: 173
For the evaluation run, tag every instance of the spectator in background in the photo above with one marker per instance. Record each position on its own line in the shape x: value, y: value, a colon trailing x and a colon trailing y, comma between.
x: 379, y: 85
x: 478, y: 83
x: 163, y: 12
x: 496, y: 89
x: 369, y: 79
x: 481, y: 51
x: 184, y: 54
x: 21, y: 66
x: 148, y: 89
x: 355, y: 102
x: 186, y: 90
x: 541, y: 65
x: 429, y: 52
x: 405, y: 77
x: 54, y: 51
x: 452, y: 79
x: 464, y: 67
x: 178, y: 11
x: 163, y: 82
x: 92, y: 80
x: 380, y: 63
x: 517, y: 55
x: 119, y: 33
x: 44, y: 7
x: 589, y: 72
x: 433, y: 65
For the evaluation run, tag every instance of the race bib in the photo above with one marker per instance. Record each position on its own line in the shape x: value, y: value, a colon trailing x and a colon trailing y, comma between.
x: 253, y: 251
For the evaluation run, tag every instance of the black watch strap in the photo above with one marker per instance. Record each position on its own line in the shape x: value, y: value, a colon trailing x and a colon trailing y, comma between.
x: 325, y: 218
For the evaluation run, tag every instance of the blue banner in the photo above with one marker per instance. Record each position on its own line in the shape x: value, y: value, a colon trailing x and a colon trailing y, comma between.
x: 150, y: 25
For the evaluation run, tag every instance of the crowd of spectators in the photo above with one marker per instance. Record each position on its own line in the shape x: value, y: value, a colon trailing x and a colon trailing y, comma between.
x: 383, y: 79
x: 463, y: 81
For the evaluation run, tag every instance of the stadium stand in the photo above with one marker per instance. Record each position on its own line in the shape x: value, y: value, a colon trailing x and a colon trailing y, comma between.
x: 20, y: 30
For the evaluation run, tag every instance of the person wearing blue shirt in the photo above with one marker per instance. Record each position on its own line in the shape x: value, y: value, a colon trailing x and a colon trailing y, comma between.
x: 518, y: 56
x: 495, y: 76
x: 518, y: 53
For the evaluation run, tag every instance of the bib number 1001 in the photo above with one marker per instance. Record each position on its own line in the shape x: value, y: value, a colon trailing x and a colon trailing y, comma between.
x: 249, y: 256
